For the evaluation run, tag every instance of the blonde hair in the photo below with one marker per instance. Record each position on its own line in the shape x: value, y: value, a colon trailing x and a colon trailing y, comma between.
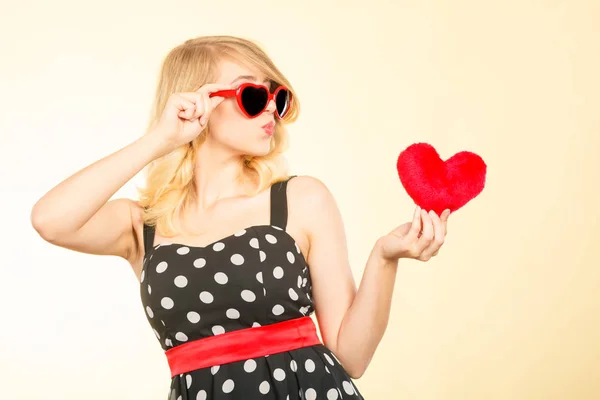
x: 169, y: 179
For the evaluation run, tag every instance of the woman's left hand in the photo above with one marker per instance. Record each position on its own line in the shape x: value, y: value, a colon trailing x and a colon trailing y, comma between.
x: 420, y: 239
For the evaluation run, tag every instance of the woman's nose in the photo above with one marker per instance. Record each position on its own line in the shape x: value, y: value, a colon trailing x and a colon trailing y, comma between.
x: 271, y: 106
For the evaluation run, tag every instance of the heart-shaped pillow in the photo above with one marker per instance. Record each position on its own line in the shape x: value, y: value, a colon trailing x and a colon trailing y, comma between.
x: 436, y: 185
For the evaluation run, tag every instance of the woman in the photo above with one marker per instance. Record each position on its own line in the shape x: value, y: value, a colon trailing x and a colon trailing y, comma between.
x: 222, y: 237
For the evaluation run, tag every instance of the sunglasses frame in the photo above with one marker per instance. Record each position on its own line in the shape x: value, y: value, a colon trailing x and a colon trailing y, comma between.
x: 237, y: 93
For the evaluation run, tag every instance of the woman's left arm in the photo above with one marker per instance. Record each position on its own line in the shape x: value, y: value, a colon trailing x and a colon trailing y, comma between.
x: 352, y: 322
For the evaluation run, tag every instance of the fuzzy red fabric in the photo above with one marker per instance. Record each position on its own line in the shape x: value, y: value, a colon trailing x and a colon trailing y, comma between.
x: 436, y: 185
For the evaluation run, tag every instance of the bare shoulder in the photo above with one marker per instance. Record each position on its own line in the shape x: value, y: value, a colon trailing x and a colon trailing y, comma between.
x: 308, y: 190
x: 310, y: 203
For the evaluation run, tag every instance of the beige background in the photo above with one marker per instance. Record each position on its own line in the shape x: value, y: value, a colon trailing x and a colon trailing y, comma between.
x: 509, y: 309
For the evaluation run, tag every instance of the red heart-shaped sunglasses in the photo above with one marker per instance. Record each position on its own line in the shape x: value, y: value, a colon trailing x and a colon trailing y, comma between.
x: 253, y: 99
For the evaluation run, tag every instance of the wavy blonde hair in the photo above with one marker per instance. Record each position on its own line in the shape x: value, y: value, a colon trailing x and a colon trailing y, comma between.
x: 169, y: 183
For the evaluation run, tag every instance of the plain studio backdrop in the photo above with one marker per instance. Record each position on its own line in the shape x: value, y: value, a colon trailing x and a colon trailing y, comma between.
x: 510, y: 307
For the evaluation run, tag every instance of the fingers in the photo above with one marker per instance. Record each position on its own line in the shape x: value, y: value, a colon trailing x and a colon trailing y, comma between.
x: 415, y: 227
x: 438, y: 237
x: 186, y: 107
x: 426, y: 233
x: 208, y: 107
x: 203, y: 104
x: 444, y: 219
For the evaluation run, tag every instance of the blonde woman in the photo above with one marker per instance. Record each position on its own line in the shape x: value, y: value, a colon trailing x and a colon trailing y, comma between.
x: 233, y: 256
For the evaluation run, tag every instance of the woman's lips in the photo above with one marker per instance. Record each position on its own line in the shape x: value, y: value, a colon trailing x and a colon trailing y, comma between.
x: 269, y: 128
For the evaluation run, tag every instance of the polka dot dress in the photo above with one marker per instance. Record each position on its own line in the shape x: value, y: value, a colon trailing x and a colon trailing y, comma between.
x: 254, y: 277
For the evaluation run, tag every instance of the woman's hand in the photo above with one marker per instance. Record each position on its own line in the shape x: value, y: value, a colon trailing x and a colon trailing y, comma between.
x: 186, y: 115
x: 420, y: 239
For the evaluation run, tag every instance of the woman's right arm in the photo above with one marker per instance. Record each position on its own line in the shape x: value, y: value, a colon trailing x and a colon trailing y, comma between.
x: 77, y: 213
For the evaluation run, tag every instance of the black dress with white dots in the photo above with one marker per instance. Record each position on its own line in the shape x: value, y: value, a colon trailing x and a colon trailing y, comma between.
x: 254, y: 277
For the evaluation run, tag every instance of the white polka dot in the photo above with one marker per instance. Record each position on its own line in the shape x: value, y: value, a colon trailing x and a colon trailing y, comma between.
x: 232, y: 313
x: 263, y: 256
x: 304, y: 282
x: 149, y: 290
x: 228, y: 386
x: 327, y: 370
x: 181, y: 281
x: 348, y: 387
x: 221, y: 278
x: 143, y: 276
x: 259, y: 277
x: 167, y: 303
x: 240, y: 233
x: 250, y: 366
x: 199, y: 263
x: 293, y: 365
x: 182, y: 337
x: 193, y: 317
x: 279, y: 374
x: 329, y: 360
x: 201, y: 395
x: 254, y: 243
x: 309, y: 365
x: 264, y: 387
x: 188, y: 381
x: 161, y: 267
x: 270, y: 238
x: 248, y: 296
x: 168, y: 342
x: 255, y: 324
x: 218, y: 330
x: 278, y: 310
x: 310, y: 394
x: 293, y: 294
x: 264, y: 291
x: 332, y: 394
x: 183, y: 250
x: 276, y: 227
x: 156, y: 333
x: 278, y: 272
x: 214, y: 369
x: 299, y: 281
x: 149, y: 311
x: 290, y: 257
x: 218, y: 247
x: 206, y: 297
x: 237, y: 259
x: 297, y: 248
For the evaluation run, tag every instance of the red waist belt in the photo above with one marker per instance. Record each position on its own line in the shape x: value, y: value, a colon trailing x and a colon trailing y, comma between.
x: 242, y: 344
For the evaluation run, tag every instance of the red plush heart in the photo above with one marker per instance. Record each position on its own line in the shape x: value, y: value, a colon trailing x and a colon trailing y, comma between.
x: 436, y: 185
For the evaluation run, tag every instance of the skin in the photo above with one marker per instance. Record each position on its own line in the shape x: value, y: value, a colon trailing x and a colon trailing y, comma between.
x: 78, y: 214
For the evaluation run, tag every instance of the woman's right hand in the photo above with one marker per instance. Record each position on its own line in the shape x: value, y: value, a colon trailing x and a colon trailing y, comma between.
x: 186, y: 115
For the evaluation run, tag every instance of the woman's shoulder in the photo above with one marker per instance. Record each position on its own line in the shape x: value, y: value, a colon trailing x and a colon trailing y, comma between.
x: 309, y: 191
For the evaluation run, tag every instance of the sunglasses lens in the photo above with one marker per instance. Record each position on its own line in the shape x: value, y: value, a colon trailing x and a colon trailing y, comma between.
x: 254, y: 100
x: 282, y: 102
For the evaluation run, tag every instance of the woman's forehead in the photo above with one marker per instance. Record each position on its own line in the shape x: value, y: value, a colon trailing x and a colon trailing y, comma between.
x: 231, y: 72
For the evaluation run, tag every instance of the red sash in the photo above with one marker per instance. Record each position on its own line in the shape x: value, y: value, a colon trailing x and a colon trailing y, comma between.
x: 242, y: 344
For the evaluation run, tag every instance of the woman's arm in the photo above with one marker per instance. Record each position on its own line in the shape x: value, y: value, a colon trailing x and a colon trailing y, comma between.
x: 352, y: 322
x: 77, y: 214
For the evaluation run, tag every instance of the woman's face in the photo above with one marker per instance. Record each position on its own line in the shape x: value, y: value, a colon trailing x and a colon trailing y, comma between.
x: 230, y: 127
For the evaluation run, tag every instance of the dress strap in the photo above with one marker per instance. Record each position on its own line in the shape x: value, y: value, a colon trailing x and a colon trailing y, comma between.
x: 148, y: 238
x: 279, y: 210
